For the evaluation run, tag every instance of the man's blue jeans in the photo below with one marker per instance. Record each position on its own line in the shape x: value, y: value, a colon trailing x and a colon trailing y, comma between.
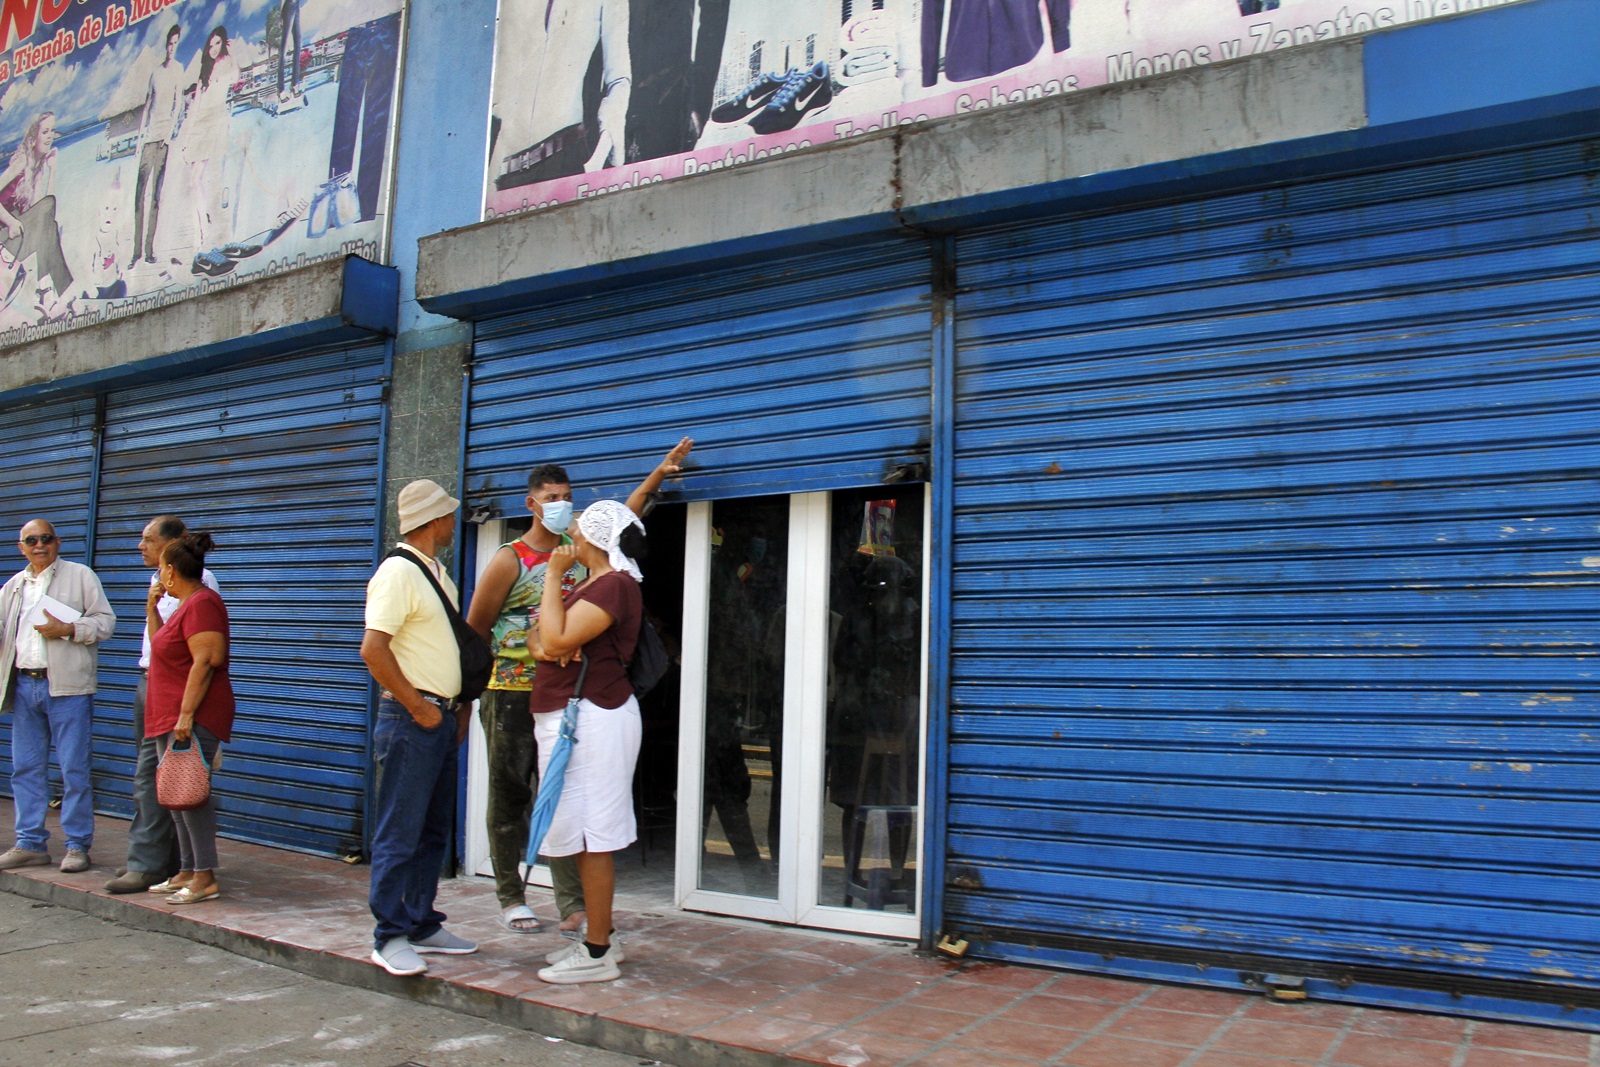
x: 38, y: 721
x: 412, y: 815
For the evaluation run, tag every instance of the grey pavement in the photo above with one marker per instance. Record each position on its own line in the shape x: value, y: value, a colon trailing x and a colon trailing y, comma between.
x: 75, y: 989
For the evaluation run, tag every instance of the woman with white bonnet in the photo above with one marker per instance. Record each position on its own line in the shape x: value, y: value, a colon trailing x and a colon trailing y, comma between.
x: 594, y: 818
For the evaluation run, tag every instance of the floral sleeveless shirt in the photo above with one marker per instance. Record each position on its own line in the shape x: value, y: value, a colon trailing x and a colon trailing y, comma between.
x: 513, y: 667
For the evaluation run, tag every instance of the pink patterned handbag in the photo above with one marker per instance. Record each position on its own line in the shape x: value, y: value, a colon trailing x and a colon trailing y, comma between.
x: 183, y: 778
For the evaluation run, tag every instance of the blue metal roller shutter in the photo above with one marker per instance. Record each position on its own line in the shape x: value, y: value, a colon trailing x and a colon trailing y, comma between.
x: 279, y: 461
x: 803, y: 373
x: 1275, y: 577
x: 49, y: 475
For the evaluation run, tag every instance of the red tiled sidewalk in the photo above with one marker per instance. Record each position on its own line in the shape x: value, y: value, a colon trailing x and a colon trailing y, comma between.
x: 701, y: 991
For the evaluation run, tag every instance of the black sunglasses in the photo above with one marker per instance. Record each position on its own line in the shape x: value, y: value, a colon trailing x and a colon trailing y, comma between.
x: 39, y: 539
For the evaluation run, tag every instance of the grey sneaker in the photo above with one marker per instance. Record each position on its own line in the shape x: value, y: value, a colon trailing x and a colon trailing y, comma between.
x: 76, y: 861
x: 397, y: 957
x: 445, y: 943
x: 18, y: 856
x: 578, y: 966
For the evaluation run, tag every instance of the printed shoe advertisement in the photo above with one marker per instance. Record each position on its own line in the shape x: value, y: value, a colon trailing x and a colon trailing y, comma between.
x: 599, y: 96
x: 157, y: 149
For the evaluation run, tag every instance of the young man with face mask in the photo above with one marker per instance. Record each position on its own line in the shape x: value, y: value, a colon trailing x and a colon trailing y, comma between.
x: 505, y: 611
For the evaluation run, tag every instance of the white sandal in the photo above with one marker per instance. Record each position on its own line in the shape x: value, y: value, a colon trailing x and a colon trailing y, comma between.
x: 520, y: 913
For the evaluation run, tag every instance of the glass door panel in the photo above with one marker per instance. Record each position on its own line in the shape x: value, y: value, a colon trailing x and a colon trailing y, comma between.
x: 873, y: 731
x: 742, y: 763
x: 803, y: 697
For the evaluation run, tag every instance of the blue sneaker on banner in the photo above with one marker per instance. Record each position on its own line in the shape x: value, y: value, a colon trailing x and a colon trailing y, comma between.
x: 752, y: 98
x: 212, y: 264
x: 803, y: 93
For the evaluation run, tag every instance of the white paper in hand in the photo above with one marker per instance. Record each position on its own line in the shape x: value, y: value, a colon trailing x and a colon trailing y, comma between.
x: 56, y: 608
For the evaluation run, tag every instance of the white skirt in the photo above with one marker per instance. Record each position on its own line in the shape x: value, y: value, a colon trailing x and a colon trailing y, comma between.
x: 595, y: 813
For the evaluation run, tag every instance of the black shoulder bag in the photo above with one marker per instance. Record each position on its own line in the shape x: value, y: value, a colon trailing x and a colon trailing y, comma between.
x: 650, y: 660
x: 477, y: 662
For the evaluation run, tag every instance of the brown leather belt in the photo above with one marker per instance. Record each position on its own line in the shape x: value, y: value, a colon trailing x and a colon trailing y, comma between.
x: 34, y: 672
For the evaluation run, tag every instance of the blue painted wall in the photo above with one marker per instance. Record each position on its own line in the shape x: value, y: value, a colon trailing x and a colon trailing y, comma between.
x: 1516, y: 53
x: 443, y: 138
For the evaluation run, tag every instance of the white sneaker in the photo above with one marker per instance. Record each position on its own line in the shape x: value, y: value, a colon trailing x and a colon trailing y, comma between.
x: 570, y: 947
x: 578, y: 966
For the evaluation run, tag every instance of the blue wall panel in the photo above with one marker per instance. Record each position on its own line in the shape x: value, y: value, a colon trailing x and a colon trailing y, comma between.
x: 1275, y: 576
x: 805, y: 373
x: 279, y: 461
x: 1516, y: 53
x: 443, y: 140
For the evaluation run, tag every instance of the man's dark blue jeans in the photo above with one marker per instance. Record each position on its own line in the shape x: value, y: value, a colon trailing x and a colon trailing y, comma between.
x: 412, y: 814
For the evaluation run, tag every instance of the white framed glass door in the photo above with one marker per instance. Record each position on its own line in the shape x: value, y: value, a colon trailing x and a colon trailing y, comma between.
x: 803, y: 708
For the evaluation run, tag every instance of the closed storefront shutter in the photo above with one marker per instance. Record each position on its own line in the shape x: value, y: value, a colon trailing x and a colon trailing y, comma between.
x: 278, y: 460
x: 48, y: 474
x: 1277, y: 574
x: 794, y: 374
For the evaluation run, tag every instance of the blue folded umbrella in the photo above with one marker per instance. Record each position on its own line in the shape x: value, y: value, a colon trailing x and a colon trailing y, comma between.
x: 555, y: 774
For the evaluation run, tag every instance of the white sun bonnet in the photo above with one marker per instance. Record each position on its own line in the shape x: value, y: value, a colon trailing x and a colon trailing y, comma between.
x: 602, y: 524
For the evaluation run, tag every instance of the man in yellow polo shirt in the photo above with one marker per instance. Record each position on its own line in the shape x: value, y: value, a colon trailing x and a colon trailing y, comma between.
x: 411, y: 650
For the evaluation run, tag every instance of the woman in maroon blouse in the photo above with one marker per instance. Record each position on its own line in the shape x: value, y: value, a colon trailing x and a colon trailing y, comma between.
x: 189, y: 698
x: 598, y: 621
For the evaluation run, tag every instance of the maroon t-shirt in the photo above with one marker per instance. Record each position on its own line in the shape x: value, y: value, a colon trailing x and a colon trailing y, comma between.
x: 171, y: 661
x: 617, y: 594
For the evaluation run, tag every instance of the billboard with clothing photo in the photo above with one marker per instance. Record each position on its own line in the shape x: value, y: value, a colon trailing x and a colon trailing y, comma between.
x: 599, y: 96
x: 156, y: 149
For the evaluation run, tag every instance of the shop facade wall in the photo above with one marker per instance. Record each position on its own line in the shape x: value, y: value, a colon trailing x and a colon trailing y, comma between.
x: 183, y: 356
x: 1295, y: 675
x: 442, y: 142
x: 1341, y: 108
x: 278, y: 459
x: 435, y: 183
x: 259, y: 451
x: 880, y: 180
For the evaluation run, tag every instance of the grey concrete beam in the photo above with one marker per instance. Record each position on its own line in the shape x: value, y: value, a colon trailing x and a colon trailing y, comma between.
x: 813, y: 187
x: 1184, y: 114
x: 313, y: 304
x: 1280, y: 96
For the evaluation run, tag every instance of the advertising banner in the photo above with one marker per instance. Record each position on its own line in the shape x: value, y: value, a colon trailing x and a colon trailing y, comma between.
x: 156, y: 149
x: 597, y: 96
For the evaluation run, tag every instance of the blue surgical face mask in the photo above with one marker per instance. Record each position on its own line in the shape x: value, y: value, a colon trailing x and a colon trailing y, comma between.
x: 556, y: 516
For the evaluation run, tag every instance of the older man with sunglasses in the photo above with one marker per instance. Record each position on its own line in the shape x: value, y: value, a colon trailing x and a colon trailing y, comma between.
x: 47, y: 683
